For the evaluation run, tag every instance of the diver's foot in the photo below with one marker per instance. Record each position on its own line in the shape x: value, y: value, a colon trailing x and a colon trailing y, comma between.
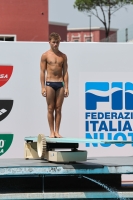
x: 57, y: 135
x: 52, y: 135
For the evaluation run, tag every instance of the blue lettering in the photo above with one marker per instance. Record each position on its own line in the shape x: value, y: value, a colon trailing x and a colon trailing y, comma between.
x: 111, y: 126
x: 127, y: 114
x: 131, y: 135
x: 117, y: 96
x: 119, y: 125
x: 94, y: 123
x: 88, y: 136
x: 92, y: 101
x: 107, y: 115
x: 127, y: 126
x: 120, y: 116
x: 100, y: 115
x: 102, y: 138
x: 87, y: 114
x: 87, y: 126
x: 93, y: 116
x: 116, y: 137
x: 123, y: 136
x: 103, y: 126
x: 113, y: 115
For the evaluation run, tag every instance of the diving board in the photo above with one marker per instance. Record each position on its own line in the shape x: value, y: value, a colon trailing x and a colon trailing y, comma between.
x: 84, y: 140
x: 44, y: 147
x: 78, y: 140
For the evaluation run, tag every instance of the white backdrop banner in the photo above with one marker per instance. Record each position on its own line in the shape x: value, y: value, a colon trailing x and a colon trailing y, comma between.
x: 106, y: 111
x: 99, y: 105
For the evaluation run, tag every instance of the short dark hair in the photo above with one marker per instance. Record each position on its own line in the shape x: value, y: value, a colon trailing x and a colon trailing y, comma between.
x: 55, y: 36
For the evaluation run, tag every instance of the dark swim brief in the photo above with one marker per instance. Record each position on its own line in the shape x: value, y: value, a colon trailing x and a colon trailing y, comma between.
x: 55, y: 85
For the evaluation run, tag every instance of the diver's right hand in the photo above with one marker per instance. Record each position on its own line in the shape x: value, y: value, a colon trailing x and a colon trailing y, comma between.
x: 44, y: 92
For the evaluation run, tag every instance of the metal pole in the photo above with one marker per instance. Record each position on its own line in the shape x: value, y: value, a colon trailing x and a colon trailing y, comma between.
x: 90, y: 27
x: 126, y: 31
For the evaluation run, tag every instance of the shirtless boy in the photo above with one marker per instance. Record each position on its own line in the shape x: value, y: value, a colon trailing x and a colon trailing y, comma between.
x: 54, y: 82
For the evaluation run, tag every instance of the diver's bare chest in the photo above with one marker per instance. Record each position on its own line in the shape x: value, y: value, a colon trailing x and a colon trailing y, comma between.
x: 56, y: 60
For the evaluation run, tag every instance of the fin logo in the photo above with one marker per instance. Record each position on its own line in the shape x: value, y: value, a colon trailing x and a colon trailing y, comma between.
x: 118, y: 94
x: 5, y: 142
x: 5, y: 108
x: 5, y: 74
